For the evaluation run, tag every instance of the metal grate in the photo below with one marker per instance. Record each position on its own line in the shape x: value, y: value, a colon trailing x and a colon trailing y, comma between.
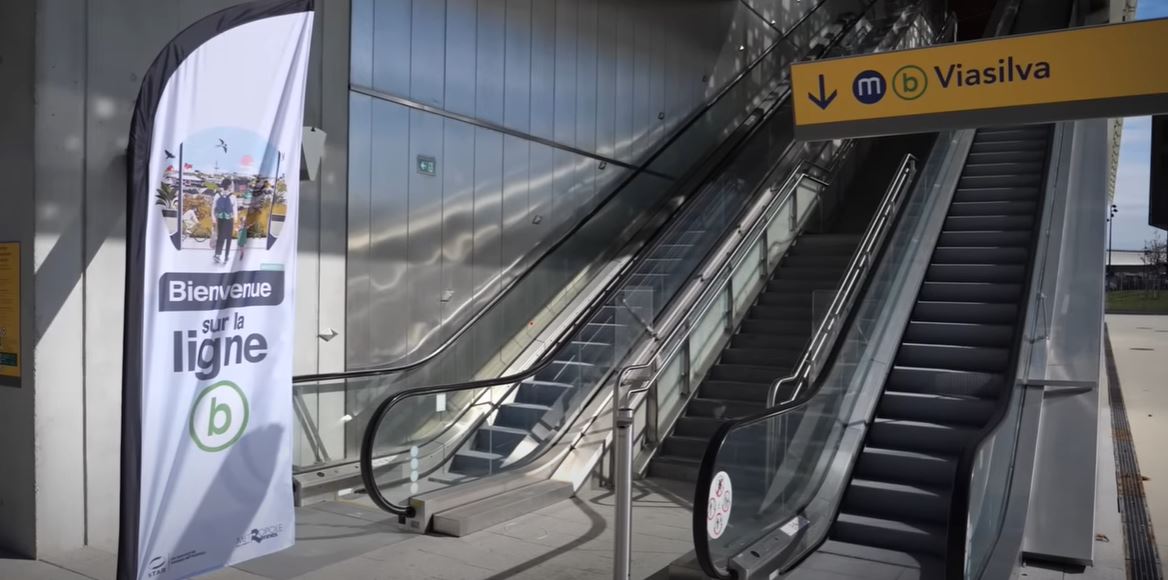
x: 1143, y: 559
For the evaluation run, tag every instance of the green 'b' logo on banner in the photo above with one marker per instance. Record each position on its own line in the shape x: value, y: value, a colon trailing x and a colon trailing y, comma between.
x: 218, y: 417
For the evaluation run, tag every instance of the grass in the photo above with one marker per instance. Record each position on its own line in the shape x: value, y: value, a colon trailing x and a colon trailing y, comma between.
x: 1137, y: 301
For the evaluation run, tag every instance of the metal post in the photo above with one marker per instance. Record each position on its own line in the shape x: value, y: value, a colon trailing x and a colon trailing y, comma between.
x: 624, y: 493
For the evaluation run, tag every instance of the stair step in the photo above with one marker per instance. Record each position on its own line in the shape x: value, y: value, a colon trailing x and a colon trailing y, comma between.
x: 948, y: 409
x: 1009, y: 146
x: 734, y: 391
x: 972, y: 312
x: 988, y: 222
x: 1011, y: 167
x: 984, y: 208
x: 781, y: 284
x: 896, y: 501
x: 496, y: 439
x: 836, y: 260
x: 826, y: 243
x: 909, y: 466
x: 959, y: 333
x: 970, y: 292
x: 985, y: 238
x: 808, y: 273
x: 920, y: 436
x: 520, y: 415
x: 1007, y: 273
x: 746, y: 373
x: 909, y: 565
x: 763, y: 327
x: 690, y: 426
x: 980, y: 255
x: 945, y: 356
x: 945, y: 381
x: 889, y: 534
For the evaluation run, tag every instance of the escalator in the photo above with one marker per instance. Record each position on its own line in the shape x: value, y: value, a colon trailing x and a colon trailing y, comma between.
x: 872, y: 467
x: 499, y: 432
x: 954, y: 360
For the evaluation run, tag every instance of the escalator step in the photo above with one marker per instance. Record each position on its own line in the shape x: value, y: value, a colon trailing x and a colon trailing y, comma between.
x: 833, y: 260
x: 986, y: 238
x: 746, y: 373
x: 959, y: 333
x: 1011, y: 167
x: 469, y: 462
x: 991, y: 208
x: 759, y: 356
x: 1006, y: 156
x: 988, y: 222
x: 903, y: 536
x: 971, y: 312
x: 789, y: 285
x: 683, y: 446
x: 786, y: 298
x: 799, y: 314
x: 675, y: 468
x: 541, y: 392
x: 991, y: 134
x: 783, y: 345
x: 949, y: 409
x: 1011, y: 180
x: 920, y: 436
x: 697, y: 426
x: 969, y: 292
x: 991, y: 273
x: 945, y: 381
x: 719, y: 409
x: 908, y: 466
x: 944, y: 356
x: 996, y: 194
x: 497, y: 439
x: 520, y: 415
x: 901, y: 501
x: 1010, y: 146
x: 735, y: 391
x: 980, y: 255
x: 809, y: 273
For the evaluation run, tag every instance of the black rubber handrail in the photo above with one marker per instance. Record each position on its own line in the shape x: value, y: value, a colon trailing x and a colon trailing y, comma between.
x: 642, y: 168
x: 614, y: 285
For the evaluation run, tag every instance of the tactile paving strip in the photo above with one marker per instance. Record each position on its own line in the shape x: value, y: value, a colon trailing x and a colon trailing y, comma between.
x: 1139, y: 540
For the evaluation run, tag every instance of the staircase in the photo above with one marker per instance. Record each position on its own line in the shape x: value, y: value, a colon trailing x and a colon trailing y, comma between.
x: 955, y: 356
x: 766, y: 347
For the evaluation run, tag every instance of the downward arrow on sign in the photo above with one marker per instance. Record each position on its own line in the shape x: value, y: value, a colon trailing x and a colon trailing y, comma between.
x: 823, y: 101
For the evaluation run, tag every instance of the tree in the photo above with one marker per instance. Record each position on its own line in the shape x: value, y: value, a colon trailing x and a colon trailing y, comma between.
x: 1155, y: 258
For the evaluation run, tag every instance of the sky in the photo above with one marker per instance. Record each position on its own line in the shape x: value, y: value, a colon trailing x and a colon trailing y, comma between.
x: 1131, y: 183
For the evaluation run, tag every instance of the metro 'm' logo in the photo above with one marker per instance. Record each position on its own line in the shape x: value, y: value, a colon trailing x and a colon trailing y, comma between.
x: 1007, y: 71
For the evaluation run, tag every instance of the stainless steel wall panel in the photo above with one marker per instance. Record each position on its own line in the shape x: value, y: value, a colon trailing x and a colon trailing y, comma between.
x: 606, y: 78
x: 543, y: 68
x: 488, y: 212
x: 567, y: 19
x: 361, y: 62
x: 461, y: 57
x: 656, y: 119
x: 518, y: 231
x: 626, y: 49
x: 490, y: 60
x: 427, y: 52
x: 360, y: 313
x: 424, y: 248
x: 517, y: 67
x: 392, y: 32
x: 642, y: 75
x: 458, y: 182
x: 586, y: 102
x: 389, y: 273
x: 541, y: 199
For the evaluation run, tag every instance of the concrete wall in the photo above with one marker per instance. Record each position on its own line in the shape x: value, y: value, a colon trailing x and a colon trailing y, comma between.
x: 17, y: 486
x: 90, y: 57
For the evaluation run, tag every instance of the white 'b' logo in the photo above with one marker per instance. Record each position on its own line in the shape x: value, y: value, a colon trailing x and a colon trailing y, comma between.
x: 218, y: 417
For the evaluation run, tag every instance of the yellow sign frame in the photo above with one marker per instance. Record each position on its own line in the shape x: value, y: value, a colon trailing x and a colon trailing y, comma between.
x: 1098, y: 71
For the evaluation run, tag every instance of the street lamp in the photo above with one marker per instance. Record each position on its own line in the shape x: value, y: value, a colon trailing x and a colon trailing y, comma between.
x: 1110, y: 231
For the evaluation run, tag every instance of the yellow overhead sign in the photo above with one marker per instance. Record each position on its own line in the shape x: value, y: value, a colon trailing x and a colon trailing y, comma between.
x: 9, y: 313
x: 1100, y: 71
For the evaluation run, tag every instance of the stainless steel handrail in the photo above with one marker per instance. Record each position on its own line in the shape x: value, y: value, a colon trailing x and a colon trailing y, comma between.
x: 829, y: 328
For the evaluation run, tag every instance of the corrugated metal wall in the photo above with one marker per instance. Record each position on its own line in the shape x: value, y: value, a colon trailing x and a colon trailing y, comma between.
x: 606, y: 77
